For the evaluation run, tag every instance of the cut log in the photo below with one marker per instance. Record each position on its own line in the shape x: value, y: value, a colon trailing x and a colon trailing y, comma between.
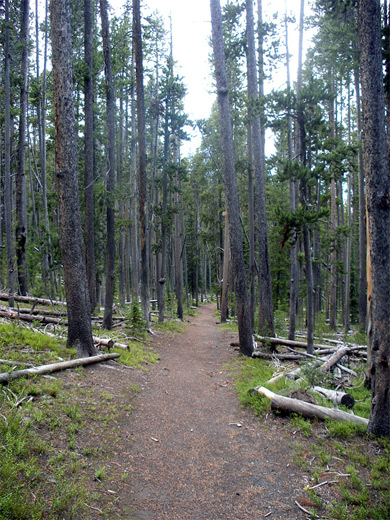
x: 31, y: 299
x: 110, y: 343
x: 55, y: 367
x: 336, y: 396
x: 311, y: 411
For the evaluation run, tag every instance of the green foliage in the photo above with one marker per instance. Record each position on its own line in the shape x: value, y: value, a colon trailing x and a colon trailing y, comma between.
x: 301, y: 424
x: 136, y: 319
x: 139, y: 355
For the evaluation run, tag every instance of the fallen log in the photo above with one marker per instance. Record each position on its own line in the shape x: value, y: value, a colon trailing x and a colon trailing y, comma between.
x: 31, y: 299
x: 288, y: 342
x: 110, y: 343
x: 14, y: 363
x: 334, y: 359
x: 55, y: 367
x: 284, y: 357
x: 15, y: 315
x: 311, y: 411
x: 335, y: 396
x: 43, y: 312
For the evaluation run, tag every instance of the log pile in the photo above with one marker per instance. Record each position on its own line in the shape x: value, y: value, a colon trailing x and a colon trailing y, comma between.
x: 311, y: 411
x: 325, y: 361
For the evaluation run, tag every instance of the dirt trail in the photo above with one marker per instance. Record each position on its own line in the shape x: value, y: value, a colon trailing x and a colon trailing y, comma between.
x: 196, y: 454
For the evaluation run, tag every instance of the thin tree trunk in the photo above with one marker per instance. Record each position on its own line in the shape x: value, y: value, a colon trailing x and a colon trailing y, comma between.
x: 266, y: 312
x: 251, y: 218
x: 134, y: 192
x: 293, y: 185
x: 7, y: 159
x: 301, y: 153
x: 110, y: 187
x: 143, y: 195
x: 362, y: 212
x: 21, y: 196
x: 349, y: 222
x: 244, y: 322
x: 225, y: 275
x: 333, y: 285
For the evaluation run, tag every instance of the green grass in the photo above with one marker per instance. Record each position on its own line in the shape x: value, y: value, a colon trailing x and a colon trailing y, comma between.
x: 43, y: 467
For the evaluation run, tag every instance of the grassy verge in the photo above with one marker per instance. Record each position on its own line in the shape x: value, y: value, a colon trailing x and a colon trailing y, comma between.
x: 56, y: 432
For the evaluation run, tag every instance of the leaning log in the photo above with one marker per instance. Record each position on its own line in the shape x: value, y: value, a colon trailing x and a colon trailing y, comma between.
x: 334, y: 359
x: 335, y: 396
x: 311, y: 411
x: 55, y: 367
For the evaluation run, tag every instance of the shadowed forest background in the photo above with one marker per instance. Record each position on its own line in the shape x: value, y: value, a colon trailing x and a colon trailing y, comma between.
x: 156, y: 223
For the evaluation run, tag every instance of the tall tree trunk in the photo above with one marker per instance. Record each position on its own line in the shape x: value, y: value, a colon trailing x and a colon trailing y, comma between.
x: 266, y: 312
x: 178, y: 262
x: 41, y: 113
x: 301, y: 154
x: 71, y: 235
x: 21, y: 196
x: 362, y: 211
x: 378, y: 209
x: 241, y: 291
x: 251, y: 225
x: 143, y: 195
x: 225, y: 273
x: 134, y: 192
x: 7, y: 159
x: 89, y: 232
x: 110, y: 100
x: 121, y: 203
x: 333, y: 274
x: 349, y: 222
x: 293, y: 186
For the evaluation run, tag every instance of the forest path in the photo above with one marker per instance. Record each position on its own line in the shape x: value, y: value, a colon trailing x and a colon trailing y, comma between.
x: 196, y: 454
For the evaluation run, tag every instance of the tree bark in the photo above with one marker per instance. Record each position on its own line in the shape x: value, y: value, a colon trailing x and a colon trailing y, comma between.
x: 378, y: 209
x: 293, y: 186
x: 71, y: 236
x: 243, y: 311
x: 142, y: 171
x: 266, y: 313
x: 89, y: 232
x: 362, y: 209
x: 7, y: 160
x: 110, y: 187
x: 225, y: 273
x: 21, y: 196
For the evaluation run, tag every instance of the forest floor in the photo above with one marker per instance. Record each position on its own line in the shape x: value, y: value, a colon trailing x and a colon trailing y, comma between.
x: 179, y: 444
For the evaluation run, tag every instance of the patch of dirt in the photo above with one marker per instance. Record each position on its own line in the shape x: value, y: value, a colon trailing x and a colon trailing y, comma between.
x: 188, y: 450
